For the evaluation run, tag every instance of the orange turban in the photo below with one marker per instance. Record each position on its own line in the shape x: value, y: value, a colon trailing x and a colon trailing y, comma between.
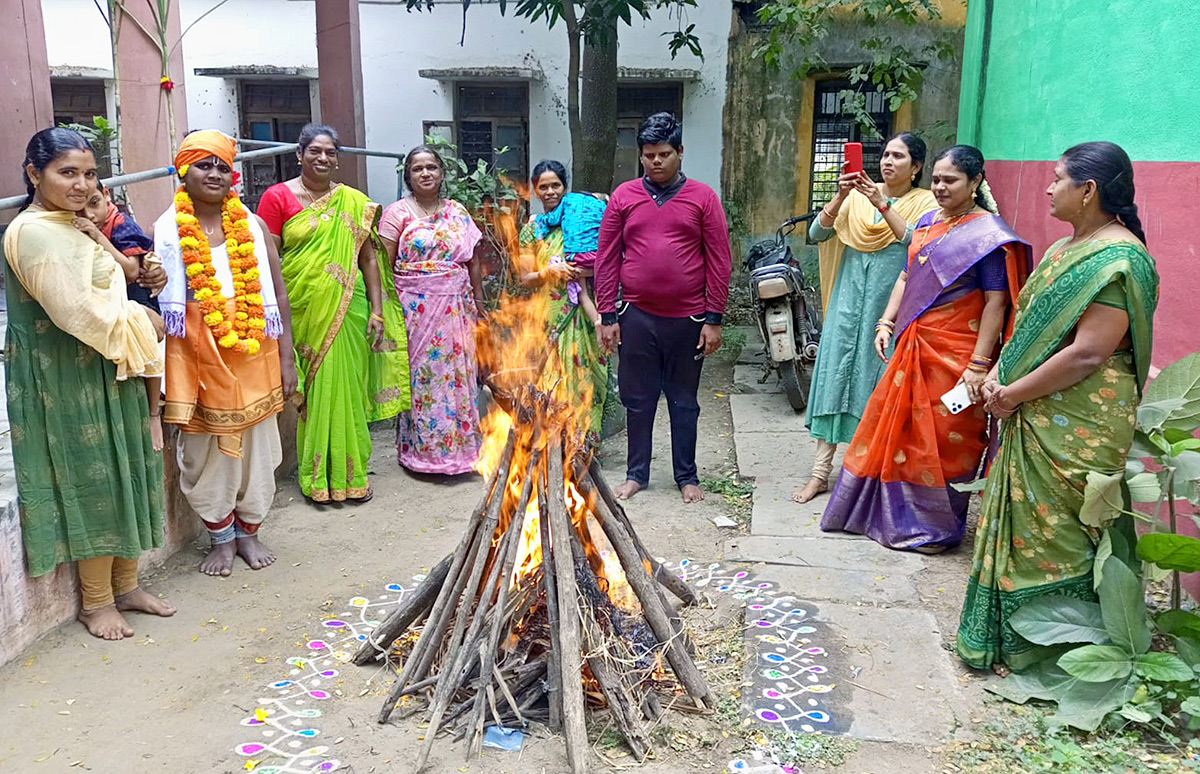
x: 203, y: 144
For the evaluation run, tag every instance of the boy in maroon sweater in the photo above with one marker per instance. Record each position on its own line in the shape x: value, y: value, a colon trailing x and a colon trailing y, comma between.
x: 664, y: 244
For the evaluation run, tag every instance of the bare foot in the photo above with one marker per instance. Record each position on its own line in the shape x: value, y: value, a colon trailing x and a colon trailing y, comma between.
x: 1001, y: 669
x: 692, y: 493
x: 219, y: 560
x: 106, y: 623
x: 156, y: 433
x: 143, y: 601
x: 627, y: 489
x: 251, y: 549
x: 814, y: 487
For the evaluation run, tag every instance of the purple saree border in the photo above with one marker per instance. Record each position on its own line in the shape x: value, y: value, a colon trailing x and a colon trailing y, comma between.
x: 897, y: 514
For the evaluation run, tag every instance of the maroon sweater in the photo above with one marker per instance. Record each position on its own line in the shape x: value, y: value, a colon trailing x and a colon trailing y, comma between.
x: 670, y: 259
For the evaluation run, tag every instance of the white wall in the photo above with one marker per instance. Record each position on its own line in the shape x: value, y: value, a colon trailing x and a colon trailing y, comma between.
x: 395, y: 45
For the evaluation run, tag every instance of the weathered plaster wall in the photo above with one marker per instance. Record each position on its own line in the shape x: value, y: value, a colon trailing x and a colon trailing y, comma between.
x: 768, y: 118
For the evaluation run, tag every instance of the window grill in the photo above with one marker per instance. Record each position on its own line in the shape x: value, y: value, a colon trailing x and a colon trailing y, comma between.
x: 273, y: 111
x: 635, y: 103
x: 492, y: 116
x: 832, y: 130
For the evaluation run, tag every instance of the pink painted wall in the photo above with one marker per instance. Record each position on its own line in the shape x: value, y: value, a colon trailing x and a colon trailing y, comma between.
x: 24, y: 90
x: 1167, y: 193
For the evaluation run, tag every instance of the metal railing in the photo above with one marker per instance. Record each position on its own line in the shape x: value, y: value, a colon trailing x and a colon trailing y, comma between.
x: 268, y: 148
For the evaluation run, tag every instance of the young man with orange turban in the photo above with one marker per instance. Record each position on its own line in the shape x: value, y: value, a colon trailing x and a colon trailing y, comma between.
x: 229, y: 351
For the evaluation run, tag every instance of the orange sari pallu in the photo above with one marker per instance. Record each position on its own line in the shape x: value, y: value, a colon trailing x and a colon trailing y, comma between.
x: 895, y: 484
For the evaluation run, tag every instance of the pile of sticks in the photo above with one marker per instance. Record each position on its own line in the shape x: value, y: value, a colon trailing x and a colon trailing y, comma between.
x: 490, y: 650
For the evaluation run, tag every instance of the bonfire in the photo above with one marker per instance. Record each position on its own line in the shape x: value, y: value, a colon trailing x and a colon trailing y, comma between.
x: 550, y: 604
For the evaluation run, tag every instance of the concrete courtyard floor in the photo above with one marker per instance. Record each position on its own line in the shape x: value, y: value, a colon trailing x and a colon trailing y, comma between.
x: 180, y: 695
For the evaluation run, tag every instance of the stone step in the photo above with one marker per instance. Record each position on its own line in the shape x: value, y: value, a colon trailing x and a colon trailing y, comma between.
x: 865, y: 555
x: 851, y: 587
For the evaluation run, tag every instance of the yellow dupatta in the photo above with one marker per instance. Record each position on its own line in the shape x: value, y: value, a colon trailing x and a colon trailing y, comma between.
x: 855, y: 226
x: 82, y: 290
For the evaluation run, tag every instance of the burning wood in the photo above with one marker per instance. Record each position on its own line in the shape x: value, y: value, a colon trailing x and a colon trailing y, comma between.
x: 530, y: 619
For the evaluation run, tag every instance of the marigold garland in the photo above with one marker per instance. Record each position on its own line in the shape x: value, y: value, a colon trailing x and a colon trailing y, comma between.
x: 247, y: 329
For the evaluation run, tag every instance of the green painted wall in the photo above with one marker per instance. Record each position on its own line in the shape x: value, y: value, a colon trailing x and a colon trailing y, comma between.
x: 1060, y: 72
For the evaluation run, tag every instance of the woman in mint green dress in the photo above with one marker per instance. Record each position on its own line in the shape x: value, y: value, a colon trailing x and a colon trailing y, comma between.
x: 863, y: 234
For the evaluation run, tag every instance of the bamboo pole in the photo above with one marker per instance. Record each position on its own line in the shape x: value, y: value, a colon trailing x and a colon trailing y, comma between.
x: 414, y: 667
x: 652, y: 606
x: 674, y: 583
x: 491, y: 642
x: 463, y: 658
x: 622, y: 700
x: 570, y: 656
x: 554, y: 672
x: 380, y: 640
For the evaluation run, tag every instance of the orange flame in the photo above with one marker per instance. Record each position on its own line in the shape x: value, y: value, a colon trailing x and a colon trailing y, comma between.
x: 519, y: 360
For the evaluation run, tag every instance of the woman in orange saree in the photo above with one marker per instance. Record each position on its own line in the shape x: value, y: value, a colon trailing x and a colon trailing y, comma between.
x: 948, y: 310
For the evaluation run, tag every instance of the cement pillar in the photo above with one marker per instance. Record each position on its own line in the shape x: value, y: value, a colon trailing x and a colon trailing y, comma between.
x: 339, y: 62
x: 24, y: 90
x: 148, y: 135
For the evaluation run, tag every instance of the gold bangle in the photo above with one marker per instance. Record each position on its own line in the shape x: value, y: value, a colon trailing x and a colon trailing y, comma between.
x: 378, y: 317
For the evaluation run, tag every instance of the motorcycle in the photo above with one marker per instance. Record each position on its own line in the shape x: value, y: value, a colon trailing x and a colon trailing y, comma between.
x: 788, y: 310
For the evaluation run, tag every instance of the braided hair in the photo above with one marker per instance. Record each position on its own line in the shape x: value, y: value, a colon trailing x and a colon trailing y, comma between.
x: 969, y: 160
x: 44, y: 147
x: 1108, y: 165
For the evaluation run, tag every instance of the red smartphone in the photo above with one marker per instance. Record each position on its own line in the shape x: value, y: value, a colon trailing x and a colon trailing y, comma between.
x: 854, y: 162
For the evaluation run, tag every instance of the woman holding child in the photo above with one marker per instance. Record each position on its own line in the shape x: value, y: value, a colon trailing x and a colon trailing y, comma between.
x: 557, y: 254
x: 77, y: 351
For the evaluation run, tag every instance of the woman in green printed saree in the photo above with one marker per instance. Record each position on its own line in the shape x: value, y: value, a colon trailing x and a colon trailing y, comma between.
x: 1066, y: 388
x: 351, y: 349
x: 585, y: 370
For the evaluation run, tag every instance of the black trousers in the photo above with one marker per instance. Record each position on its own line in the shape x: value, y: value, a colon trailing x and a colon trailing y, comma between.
x: 658, y: 355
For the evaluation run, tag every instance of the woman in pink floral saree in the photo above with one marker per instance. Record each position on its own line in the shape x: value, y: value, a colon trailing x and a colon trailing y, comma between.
x: 431, y: 241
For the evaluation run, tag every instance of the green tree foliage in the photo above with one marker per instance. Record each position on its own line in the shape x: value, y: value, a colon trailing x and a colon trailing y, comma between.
x: 592, y: 28
x: 895, y: 69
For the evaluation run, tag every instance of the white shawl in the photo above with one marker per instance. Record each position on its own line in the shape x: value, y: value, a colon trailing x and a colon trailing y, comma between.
x: 174, y: 297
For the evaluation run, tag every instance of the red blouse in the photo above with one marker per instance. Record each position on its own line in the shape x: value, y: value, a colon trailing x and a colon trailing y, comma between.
x: 277, y: 206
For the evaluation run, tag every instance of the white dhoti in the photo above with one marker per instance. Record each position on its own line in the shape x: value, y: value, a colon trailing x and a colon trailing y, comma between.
x: 231, y: 494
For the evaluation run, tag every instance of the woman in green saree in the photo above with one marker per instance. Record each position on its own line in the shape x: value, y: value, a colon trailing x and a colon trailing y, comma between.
x: 347, y: 324
x: 1066, y: 387
x: 585, y: 370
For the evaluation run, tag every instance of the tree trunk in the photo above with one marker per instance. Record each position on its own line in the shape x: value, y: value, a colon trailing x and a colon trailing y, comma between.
x: 596, y: 151
x: 574, y: 42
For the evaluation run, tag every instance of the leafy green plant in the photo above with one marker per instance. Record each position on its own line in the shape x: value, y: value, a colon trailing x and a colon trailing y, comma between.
x: 473, y: 186
x: 102, y: 134
x: 1121, y: 661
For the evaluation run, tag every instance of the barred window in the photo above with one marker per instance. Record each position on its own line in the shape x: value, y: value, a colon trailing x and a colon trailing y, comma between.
x: 491, y: 117
x: 832, y: 130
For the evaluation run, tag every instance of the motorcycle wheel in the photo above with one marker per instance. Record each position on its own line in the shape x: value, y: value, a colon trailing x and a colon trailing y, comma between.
x: 796, y: 379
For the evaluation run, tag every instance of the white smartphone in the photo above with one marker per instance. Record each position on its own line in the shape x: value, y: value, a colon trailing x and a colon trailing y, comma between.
x: 957, y: 399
